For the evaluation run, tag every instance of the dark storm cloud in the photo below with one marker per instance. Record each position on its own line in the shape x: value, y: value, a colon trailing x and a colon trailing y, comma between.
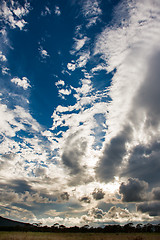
x: 113, y: 155
x: 98, y: 194
x: 153, y: 208
x: 85, y: 199
x: 144, y: 163
x: 74, y: 151
x: 65, y: 196
x: 17, y: 185
x: 21, y: 186
x: 133, y: 191
x: 156, y: 193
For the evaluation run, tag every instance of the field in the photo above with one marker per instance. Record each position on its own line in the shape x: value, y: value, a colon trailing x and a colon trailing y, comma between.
x: 77, y: 236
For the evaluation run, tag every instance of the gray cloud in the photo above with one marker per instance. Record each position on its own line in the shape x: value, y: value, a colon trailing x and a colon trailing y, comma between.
x: 144, y: 163
x: 153, y: 208
x: 20, y: 186
x: 156, y: 193
x: 113, y: 155
x: 65, y: 196
x: 96, y: 213
x: 74, y: 151
x: 133, y: 191
x: 85, y: 199
x: 147, y: 98
x: 144, y: 159
x: 98, y: 194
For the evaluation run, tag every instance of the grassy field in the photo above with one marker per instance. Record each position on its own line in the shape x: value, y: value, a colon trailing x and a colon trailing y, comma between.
x: 77, y: 236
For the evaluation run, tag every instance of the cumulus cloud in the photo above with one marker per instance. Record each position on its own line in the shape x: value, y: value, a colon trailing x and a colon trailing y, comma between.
x: 72, y: 154
x: 79, y: 44
x: 98, y: 194
x: 153, y: 208
x: 113, y: 154
x: 65, y: 91
x: 44, y: 54
x: 133, y: 191
x: 71, y: 66
x: 60, y: 83
x: 24, y: 82
x: 144, y: 163
x: 92, y: 11
x: 2, y: 57
x: 114, y: 214
x: 156, y: 193
x: 12, y: 13
x: 65, y: 196
x: 96, y: 213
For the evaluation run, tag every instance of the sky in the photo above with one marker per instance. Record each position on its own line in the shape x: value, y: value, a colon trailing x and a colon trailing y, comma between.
x: 80, y: 111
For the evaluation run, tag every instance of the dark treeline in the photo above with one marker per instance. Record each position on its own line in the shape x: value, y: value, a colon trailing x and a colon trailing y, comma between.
x: 128, y: 228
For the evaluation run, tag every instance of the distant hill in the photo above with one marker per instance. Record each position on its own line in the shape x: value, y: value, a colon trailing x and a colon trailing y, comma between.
x: 5, y: 222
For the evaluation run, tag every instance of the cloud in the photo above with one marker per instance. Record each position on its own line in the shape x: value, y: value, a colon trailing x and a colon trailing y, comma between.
x: 91, y: 11
x: 96, y: 213
x: 44, y: 54
x: 24, y: 82
x: 60, y: 83
x: 133, y: 191
x: 46, y: 12
x: 71, y: 66
x: 12, y: 13
x: 57, y: 11
x: 114, y: 214
x: 5, y: 71
x: 153, y: 208
x: 65, y: 91
x: 2, y: 57
x: 79, y: 44
x: 134, y: 92
x: 85, y: 199
x: 156, y: 193
x: 98, y: 194
x: 65, y: 196
x: 73, y: 152
x: 113, y: 154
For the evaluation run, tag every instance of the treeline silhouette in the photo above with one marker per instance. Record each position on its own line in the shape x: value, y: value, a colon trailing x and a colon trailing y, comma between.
x: 127, y: 228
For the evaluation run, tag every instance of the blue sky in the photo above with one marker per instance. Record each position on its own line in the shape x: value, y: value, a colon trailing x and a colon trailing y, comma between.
x: 79, y: 109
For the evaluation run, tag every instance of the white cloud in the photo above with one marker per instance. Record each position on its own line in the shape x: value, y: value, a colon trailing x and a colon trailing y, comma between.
x: 5, y: 71
x: 57, y: 11
x: 60, y: 83
x: 79, y: 43
x: 46, y: 12
x: 92, y: 11
x: 2, y: 57
x: 71, y: 66
x: 65, y: 91
x: 44, y: 54
x: 82, y: 60
x: 24, y: 82
x: 12, y: 14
